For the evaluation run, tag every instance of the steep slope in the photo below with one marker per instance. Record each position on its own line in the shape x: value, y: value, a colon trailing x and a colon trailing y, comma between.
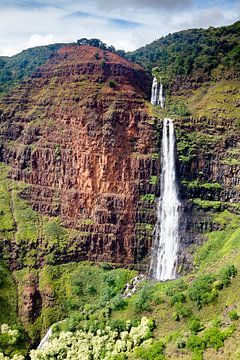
x: 77, y: 133
x: 195, y: 53
x: 13, y: 69
x: 18, y: 67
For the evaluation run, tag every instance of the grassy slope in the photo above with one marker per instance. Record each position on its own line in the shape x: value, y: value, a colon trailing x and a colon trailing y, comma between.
x: 14, y: 69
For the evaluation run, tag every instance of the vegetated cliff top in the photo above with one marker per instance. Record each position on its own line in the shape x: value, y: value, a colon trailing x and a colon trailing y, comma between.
x: 194, y: 51
x: 91, y: 54
x: 15, y: 68
x: 182, y: 53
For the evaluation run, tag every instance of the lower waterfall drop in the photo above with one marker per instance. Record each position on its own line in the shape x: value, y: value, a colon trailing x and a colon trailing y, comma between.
x: 165, y: 246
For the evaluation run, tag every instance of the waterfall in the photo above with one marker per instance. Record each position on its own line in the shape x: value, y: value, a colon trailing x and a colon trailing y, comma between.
x: 157, y: 97
x: 161, y: 99
x: 165, y: 246
x: 154, y: 91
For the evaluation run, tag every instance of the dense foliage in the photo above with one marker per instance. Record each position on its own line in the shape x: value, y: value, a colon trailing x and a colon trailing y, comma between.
x: 104, y: 344
x: 99, y: 44
x: 9, y: 339
x: 14, y: 69
x: 192, y: 51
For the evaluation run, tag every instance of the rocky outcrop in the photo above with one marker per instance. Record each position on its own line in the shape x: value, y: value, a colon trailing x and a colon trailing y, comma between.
x: 30, y: 300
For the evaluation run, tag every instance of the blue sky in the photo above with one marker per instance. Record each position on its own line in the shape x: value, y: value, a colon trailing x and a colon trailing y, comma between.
x: 126, y: 24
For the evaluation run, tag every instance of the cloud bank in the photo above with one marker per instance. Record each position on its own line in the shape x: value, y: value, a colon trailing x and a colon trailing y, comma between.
x: 126, y: 24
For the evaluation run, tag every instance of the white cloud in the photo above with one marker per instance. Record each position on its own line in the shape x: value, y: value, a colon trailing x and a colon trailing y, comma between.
x: 28, y: 26
x: 34, y: 40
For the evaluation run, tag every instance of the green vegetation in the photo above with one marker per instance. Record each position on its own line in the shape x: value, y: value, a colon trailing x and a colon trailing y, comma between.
x: 221, y: 243
x: 216, y: 100
x: 14, y: 69
x: 151, y: 352
x: 112, y: 83
x: 82, y: 288
x: 148, y: 198
x: 89, y: 296
x: 189, y: 318
x: 104, y: 343
x: 197, y: 184
x: 11, y: 338
x: 153, y: 180
x: 195, y: 51
x: 231, y: 162
x: 8, y: 300
x: 31, y: 232
x: 233, y: 315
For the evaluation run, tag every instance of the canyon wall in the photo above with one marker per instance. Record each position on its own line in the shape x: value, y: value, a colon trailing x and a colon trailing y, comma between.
x: 79, y: 133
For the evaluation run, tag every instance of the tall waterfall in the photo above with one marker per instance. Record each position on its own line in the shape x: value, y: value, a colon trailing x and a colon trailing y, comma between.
x: 157, y: 97
x: 165, y: 246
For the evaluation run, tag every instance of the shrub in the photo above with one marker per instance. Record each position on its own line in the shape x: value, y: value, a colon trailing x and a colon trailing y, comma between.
x: 214, y: 338
x: 227, y: 273
x: 182, y: 312
x: 142, y: 300
x: 120, y: 357
x: 229, y: 330
x: 195, y: 342
x: 178, y: 298
x: 152, y: 324
x: 201, y: 291
x: 148, y: 198
x: 110, y: 280
x: 117, y: 303
x: 10, y: 339
x: 233, y: 315
x: 112, y: 83
x: 152, y: 352
x: 217, y: 321
x: 94, y: 344
x: 118, y: 324
x: 175, y: 287
x: 181, y: 344
x: 105, y: 266
x: 195, y: 325
x: 157, y: 300
x: 91, y: 290
x: 153, y: 180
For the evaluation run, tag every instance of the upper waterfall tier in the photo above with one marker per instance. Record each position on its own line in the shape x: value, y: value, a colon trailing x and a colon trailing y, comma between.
x: 157, y: 97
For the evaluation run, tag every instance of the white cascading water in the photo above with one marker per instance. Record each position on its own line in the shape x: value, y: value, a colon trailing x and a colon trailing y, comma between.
x: 165, y: 246
x: 161, y: 99
x: 157, y: 97
x: 154, y: 97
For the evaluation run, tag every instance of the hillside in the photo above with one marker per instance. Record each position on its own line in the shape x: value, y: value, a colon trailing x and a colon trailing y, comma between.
x: 80, y: 152
x: 207, y: 53
x: 15, y: 68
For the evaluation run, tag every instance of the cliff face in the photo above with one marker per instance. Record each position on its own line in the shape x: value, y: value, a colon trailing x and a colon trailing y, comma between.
x: 79, y: 134
x: 208, y: 161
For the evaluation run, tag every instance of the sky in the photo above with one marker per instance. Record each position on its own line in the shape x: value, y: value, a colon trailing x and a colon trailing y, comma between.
x: 125, y: 24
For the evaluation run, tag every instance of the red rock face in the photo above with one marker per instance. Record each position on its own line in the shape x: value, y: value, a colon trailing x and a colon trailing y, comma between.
x: 85, y: 146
